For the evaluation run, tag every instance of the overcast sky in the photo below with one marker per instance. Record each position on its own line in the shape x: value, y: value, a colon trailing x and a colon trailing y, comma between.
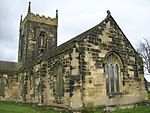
x: 75, y: 16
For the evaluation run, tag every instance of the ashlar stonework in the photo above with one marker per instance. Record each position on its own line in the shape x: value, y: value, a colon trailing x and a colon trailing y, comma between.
x: 99, y: 67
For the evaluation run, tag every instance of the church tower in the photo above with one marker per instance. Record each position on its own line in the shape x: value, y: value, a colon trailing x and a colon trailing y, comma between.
x: 38, y: 35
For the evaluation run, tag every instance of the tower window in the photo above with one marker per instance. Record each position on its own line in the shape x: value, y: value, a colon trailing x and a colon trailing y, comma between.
x: 42, y: 38
x: 42, y: 41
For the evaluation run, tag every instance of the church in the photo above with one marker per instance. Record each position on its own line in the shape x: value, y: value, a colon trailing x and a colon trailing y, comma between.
x: 99, y: 67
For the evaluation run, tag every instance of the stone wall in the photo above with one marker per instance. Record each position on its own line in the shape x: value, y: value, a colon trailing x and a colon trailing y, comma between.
x: 98, y: 67
x: 75, y: 77
x: 9, y: 87
x: 106, y: 38
x: 36, y: 37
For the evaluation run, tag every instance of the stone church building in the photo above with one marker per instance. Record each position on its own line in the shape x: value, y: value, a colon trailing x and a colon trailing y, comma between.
x: 99, y: 67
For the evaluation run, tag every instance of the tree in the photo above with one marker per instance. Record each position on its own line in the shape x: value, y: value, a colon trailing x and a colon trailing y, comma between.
x: 144, y: 50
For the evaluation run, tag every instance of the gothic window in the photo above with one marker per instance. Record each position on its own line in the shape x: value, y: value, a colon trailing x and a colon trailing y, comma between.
x: 113, y: 75
x: 117, y: 77
x: 2, y: 86
x: 42, y: 41
x: 107, y: 79
x: 59, y: 81
x: 42, y: 38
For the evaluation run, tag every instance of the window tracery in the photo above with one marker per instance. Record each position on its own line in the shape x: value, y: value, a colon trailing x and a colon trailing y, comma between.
x: 113, y: 74
x: 42, y: 41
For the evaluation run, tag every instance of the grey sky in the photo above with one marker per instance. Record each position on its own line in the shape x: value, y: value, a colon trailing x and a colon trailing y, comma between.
x: 75, y: 16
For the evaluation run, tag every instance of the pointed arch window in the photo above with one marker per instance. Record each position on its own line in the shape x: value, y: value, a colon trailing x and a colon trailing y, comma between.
x: 107, y: 78
x: 117, y: 77
x: 113, y: 75
x: 59, y: 81
x: 42, y: 38
x: 42, y: 41
x: 2, y: 86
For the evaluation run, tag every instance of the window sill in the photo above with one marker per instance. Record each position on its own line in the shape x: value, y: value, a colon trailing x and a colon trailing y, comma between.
x: 113, y: 94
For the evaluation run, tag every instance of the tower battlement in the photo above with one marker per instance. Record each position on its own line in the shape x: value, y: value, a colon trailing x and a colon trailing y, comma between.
x: 38, y: 35
x: 40, y: 19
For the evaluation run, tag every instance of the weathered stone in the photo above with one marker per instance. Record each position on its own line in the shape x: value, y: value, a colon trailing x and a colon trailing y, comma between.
x: 98, y: 67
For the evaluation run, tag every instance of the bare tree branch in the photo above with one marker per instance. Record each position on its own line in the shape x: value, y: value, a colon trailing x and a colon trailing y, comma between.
x: 144, y: 50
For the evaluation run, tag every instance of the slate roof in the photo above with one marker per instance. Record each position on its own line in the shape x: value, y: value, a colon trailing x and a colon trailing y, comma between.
x: 69, y: 44
x: 63, y: 47
x: 8, y: 66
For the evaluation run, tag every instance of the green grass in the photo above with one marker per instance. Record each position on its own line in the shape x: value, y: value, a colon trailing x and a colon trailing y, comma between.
x: 92, y: 110
x: 11, y: 107
x: 149, y: 96
x: 140, y: 109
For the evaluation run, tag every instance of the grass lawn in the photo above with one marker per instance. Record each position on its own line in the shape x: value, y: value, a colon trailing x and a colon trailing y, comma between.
x: 11, y: 107
x: 140, y: 109
x: 149, y: 96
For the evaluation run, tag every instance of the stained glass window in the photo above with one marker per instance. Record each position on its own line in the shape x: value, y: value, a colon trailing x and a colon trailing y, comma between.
x: 112, y: 77
x: 112, y: 74
x: 117, y: 77
x: 107, y: 78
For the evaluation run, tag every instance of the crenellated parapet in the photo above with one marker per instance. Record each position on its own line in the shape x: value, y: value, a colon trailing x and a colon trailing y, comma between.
x: 40, y: 19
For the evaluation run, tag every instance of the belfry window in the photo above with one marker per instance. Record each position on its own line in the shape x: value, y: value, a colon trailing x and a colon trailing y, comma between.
x: 112, y: 68
x: 42, y: 36
x: 42, y: 41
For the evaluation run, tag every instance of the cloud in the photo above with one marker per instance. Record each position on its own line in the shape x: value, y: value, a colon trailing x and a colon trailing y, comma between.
x: 147, y: 77
x: 75, y: 16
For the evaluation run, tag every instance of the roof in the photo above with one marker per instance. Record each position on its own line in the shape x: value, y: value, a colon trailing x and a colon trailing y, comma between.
x: 71, y: 43
x: 67, y: 45
x: 8, y: 66
x: 63, y: 47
